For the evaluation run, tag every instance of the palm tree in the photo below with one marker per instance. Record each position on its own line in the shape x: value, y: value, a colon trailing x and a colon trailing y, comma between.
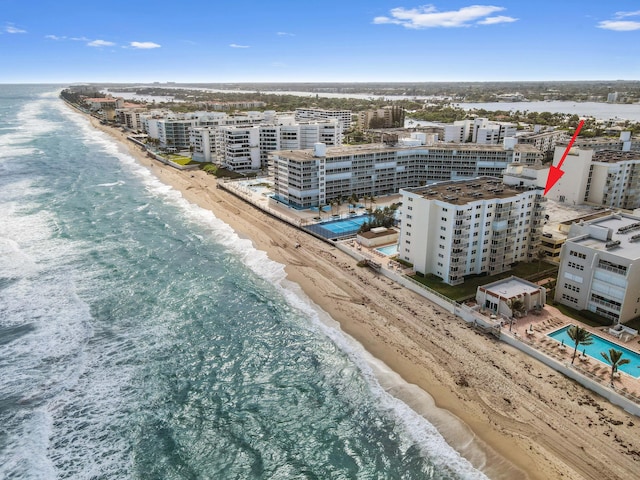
x: 580, y: 336
x: 353, y: 200
x: 614, y: 359
x: 541, y: 255
x: 517, y: 305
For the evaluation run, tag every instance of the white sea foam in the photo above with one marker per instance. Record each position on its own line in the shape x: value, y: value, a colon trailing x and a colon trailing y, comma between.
x: 112, y: 184
x: 41, y: 296
x: 31, y: 125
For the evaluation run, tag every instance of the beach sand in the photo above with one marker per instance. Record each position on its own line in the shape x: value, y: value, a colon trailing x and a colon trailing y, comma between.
x: 510, y: 415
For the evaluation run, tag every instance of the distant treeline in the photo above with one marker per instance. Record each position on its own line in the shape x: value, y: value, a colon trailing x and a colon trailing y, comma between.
x: 460, y: 91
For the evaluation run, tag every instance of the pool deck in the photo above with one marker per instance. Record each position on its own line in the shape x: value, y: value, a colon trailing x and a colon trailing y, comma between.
x: 533, y: 329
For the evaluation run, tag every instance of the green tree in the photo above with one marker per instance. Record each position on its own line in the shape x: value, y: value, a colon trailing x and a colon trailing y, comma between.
x: 517, y: 305
x: 614, y: 358
x: 580, y: 336
x: 353, y: 200
x: 540, y: 255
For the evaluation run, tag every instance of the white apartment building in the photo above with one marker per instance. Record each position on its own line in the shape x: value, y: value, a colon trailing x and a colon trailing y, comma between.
x: 623, y: 143
x: 306, y: 114
x: 479, y: 130
x: 224, y: 144
x: 600, y: 267
x: 478, y: 226
x: 544, y: 141
x: 241, y: 148
x: 603, y: 177
x: 306, y: 178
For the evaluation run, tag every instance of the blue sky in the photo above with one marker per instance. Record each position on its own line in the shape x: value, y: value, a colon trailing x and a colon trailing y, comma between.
x: 323, y: 41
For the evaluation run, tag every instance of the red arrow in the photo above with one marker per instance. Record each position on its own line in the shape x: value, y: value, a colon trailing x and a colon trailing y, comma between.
x: 554, y: 172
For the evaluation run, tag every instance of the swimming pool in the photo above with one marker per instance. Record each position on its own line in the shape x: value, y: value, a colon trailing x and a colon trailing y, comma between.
x: 601, y: 345
x: 388, y: 250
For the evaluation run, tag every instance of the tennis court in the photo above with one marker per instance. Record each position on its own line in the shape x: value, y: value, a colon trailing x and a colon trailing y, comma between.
x: 346, y: 227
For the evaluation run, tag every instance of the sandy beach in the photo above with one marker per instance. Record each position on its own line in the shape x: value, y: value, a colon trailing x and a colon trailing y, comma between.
x: 510, y: 415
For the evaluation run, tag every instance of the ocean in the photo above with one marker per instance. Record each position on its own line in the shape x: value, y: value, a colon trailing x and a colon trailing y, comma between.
x: 142, y: 338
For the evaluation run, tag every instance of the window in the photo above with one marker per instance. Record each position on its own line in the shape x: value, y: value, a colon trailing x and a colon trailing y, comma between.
x: 573, y: 288
x: 575, y: 265
x: 569, y: 298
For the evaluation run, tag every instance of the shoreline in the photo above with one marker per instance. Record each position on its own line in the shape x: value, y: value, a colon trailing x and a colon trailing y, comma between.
x: 485, y: 384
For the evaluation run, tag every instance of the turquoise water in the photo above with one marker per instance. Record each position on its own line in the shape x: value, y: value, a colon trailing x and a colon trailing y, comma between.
x: 388, y: 250
x: 346, y: 225
x: 601, y: 345
x: 141, y: 338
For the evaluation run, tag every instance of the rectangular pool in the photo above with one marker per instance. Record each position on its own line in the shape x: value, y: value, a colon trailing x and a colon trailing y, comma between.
x: 601, y: 345
x: 388, y: 250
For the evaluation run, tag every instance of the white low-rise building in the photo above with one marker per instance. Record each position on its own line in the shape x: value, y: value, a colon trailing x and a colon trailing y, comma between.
x: 500, y: 297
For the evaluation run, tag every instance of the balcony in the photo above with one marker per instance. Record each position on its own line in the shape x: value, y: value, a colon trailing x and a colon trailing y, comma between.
x: 611, y: 306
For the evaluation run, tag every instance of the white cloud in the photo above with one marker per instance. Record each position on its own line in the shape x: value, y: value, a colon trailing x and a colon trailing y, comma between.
x: 285, y: 34
x: 79, y: 39
x: 54, y: 37
x: 619, y: 25
x: 627, y: 14
x: 11, y: 29
x: 234, y: 45
x: 144, y: 45
x: 498, y: 19
x: 100, y: 43
x: 428, y: 16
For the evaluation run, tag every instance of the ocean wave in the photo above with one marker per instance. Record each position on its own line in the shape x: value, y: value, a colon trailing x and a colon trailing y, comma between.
x: 51, y: 323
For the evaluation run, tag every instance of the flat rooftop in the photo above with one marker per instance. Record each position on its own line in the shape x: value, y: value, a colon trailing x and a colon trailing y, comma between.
x: 460, y: 192
x: 342, y: 151
x: 613, y: 156
x: 510, y: 287
x: 623, y: 227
